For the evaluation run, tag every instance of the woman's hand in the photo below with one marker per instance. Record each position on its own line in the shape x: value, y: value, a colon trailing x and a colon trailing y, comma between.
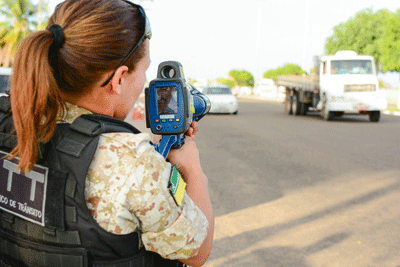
x: 157, y: 138
x: 186, y: 158
x: 194, y: 128
x: 191, y: 132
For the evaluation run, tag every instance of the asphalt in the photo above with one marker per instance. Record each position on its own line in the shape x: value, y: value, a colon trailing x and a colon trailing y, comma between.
x: 298, y: 191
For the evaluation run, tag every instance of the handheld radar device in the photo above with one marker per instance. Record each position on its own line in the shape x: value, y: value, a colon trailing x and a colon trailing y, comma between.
x: 172, y: 105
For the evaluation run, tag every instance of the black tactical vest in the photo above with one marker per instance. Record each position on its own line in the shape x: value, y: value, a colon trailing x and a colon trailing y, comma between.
x: 49, y: 224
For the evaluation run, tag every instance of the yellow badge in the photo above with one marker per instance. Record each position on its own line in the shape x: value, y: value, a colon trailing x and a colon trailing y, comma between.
x: 177, y: 186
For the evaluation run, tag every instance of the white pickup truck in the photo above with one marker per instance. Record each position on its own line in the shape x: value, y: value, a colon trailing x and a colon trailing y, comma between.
x: 345, y: 83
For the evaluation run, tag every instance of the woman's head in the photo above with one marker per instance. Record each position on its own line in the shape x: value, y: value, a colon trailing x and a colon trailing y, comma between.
x: 98, y: 37
x: 99, y: 34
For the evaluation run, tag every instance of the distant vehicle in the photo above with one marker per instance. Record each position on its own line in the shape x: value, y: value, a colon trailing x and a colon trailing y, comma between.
x: 221, y: 98
x: 5, y: 74
x: 267, y: 88
x: 346, y: 83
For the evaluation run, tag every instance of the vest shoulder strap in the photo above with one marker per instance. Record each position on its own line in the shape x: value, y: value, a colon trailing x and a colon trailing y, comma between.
x: 85, y: 127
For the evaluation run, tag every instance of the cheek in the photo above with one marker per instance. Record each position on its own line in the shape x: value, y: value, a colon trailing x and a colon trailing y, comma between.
x: 140, y: 87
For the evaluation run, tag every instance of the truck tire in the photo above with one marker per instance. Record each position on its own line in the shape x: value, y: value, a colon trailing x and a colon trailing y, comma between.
x: 326, y: 114
x: 296, y: 104
x: 304, y: 109
x: 329, y: 115
x: 288, y: 105
x: 374, y: 116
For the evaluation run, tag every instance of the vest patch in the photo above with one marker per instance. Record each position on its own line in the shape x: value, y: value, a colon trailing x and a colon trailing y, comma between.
x: 23, y: 195
x: 177, y: 186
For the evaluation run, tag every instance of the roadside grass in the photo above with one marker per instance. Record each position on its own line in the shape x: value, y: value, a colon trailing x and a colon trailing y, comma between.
x: 393, y: 108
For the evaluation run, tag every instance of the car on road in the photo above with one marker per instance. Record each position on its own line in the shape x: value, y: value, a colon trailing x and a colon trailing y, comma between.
x: 5, y: 74
x: 221, y: 98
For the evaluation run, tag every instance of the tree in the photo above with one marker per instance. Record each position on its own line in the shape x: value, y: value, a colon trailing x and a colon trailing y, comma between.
x: 18, y: 20
x: 390, y: 43
x: 228, y: 82
x: 242, y: 78
x: 361, y: 33
x: 287, y: 69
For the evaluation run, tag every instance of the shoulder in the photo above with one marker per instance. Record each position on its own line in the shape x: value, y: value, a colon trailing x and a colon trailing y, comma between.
x: 133, y: 157
x: 137, y: 144
x: 125, y: 175
x: 124, y: 156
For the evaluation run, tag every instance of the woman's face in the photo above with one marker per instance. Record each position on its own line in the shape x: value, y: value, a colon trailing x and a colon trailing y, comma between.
x: 133, y: 86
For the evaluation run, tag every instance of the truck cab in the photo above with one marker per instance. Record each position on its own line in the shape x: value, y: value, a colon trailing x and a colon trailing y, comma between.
x: 349, y: 85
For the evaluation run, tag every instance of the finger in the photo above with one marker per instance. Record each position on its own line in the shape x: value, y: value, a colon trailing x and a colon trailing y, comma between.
x: 195, y: 127
x: 190, y: 133
x: 157, y: 138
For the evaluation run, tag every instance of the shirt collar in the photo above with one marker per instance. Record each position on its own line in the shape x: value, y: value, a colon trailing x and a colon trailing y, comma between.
x: 71, y: 112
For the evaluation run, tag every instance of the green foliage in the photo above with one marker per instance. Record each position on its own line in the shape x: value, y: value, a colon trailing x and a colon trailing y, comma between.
x: 242, y: 78
x: 18, y: 18
x: 393, y: 108
x: 191, y: 81
x: 287, y: 69
x: 228, y: 82
x: 362, y: 34
x: 390, y: 43
x: 381, y: 84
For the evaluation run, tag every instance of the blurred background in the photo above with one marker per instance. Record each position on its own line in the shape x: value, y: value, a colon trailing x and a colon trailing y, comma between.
x: 258, y: 37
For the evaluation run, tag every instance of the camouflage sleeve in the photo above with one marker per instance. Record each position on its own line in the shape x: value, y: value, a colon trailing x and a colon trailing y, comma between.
x: 127, y: 190
x: 174, y: 232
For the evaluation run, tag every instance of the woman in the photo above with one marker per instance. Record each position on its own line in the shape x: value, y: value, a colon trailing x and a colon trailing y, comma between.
x: 92, y: 60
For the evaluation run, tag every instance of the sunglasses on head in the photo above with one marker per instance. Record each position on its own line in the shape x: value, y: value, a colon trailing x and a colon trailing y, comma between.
x: 146, y: 34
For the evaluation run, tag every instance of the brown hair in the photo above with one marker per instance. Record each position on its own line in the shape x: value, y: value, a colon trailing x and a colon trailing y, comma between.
x: 98, y: 36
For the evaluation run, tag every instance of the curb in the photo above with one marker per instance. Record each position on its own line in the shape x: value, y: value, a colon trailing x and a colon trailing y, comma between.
x: 275, y: 100
x: 394, y: 113
x: 279, y: 100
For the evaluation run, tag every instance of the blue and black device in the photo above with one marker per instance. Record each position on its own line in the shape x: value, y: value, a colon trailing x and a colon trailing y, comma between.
x: 172, y: 105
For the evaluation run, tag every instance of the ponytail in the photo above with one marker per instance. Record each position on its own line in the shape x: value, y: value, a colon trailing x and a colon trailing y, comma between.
x: 50, y: 66
x: 35, y: 97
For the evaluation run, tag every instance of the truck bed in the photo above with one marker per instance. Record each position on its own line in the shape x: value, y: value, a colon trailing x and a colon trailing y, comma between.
x: 299, y: 82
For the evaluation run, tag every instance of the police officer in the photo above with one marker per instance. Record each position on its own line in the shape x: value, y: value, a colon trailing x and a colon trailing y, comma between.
x: 80, y: 187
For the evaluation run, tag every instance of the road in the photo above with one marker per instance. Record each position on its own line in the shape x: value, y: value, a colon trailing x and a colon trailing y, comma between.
x: 301, y: 191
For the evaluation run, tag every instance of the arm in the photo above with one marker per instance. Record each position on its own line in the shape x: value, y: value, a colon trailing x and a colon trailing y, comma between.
x: 188, y: 164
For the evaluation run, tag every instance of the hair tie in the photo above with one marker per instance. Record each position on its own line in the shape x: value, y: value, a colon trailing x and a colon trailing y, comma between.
x: 58, y: 33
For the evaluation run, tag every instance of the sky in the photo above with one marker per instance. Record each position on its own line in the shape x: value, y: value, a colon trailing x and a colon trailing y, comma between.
x: 211, y: 37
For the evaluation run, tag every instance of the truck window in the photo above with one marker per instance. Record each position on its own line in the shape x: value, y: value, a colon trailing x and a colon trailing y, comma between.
x: 351, y: 67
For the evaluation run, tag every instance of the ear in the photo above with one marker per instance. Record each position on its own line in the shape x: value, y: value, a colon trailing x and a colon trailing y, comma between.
x: 117, y: 79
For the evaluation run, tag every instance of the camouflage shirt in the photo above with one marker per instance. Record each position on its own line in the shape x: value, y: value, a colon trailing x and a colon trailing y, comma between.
x: 127, y: 190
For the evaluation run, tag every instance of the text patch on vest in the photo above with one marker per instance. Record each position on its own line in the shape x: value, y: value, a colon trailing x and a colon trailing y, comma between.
x: 23, y: 195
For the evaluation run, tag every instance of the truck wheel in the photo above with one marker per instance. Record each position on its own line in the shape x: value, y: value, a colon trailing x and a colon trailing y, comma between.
x: 374, y: 116
x: 326, y: 114
x: 288, y: 105
x: 296, y: 104
x: 329, y: 115
x: 304, y: 109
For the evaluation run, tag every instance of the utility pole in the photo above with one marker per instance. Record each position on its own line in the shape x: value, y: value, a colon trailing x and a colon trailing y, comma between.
x: 305, y: 37
x: 258, y: 39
